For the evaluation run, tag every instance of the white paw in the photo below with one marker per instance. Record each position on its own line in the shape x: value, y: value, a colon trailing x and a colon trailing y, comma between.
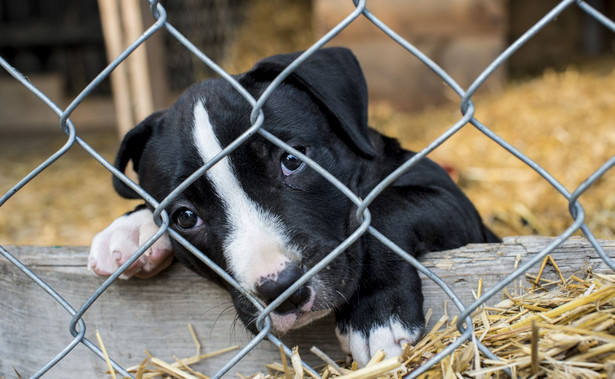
x: 390, y: 338
x: 119, y: 241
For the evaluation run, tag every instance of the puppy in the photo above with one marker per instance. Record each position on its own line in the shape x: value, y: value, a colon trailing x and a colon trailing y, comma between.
x: 266, y: 217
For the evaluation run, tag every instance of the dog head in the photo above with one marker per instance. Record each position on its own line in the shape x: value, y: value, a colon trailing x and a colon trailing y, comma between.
x: 260, y: 213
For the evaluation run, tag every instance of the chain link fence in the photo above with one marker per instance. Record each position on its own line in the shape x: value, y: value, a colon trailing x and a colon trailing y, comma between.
x: 77, y: 325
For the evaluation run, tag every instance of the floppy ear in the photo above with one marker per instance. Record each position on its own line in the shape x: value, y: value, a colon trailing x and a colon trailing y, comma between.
x: 132, y: 148
x: 334, y: 78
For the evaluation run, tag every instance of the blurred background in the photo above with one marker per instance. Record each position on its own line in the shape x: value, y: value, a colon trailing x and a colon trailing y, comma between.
x: 553, y: 99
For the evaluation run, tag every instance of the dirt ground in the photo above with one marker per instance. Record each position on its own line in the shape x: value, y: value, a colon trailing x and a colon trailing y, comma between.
x: 564, y: 121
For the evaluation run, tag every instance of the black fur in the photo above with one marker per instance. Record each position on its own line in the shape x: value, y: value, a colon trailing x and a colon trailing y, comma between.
x: 321, y: 106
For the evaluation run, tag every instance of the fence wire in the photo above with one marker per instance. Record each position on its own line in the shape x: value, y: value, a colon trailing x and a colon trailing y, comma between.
x: 77, y: 325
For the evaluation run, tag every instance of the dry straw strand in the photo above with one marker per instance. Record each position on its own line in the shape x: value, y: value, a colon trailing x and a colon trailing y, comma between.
x: 105, y: 354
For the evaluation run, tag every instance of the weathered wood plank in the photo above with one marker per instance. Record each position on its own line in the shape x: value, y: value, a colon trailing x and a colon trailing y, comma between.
x: 153, y: 314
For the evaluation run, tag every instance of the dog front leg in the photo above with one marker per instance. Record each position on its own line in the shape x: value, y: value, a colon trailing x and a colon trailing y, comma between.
x: 383, y: 315
x: 114, y: 245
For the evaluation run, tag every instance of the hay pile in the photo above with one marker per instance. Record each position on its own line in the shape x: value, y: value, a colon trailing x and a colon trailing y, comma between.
x: 68, y: 202
x: 557, y: 329
x: 565, y: 121
x: 553, y: 329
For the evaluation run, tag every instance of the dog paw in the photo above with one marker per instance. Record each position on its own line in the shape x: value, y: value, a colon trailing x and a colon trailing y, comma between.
x: 113, y: 246
x: 390, y: 338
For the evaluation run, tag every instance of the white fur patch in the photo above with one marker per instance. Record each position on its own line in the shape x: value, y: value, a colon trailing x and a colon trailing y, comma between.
x: 344, y: 340
x: 257, y: 245
x: 119, y: 241
x: 390, y: 338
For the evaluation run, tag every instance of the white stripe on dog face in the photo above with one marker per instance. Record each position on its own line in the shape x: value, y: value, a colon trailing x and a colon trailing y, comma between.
x: 257, y: 245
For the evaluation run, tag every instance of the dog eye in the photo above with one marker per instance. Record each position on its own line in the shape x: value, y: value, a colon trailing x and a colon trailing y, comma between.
x: 186, y: 219
x: 291, y: 163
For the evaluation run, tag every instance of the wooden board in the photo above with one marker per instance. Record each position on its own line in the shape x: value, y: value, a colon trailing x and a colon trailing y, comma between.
x: 153, y: 314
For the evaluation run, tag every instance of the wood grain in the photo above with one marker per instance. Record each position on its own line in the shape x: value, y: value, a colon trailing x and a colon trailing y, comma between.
x: 153, y: 314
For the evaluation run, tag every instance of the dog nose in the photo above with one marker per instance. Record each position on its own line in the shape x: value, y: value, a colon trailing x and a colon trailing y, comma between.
x: 270, y: 289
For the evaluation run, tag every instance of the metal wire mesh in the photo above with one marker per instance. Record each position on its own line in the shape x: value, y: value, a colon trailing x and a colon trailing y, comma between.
x: 467, y: 119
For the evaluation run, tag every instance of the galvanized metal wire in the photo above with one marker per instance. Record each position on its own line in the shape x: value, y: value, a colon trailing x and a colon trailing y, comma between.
x: 160, y: 24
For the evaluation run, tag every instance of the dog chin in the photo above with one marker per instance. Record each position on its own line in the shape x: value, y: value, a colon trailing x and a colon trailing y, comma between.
x: 284, y: 323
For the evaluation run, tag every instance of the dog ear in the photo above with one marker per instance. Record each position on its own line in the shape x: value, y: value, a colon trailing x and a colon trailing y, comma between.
x: 132, y: 148
x: 334, y: 78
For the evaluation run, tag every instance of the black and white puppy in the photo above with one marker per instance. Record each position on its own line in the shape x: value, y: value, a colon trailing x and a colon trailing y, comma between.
x: 266, y: 217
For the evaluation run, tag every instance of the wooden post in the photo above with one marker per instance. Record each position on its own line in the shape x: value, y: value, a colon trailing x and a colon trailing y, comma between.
x: 140, y: 87
x: 114, y: 41
x: 122, y: 23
